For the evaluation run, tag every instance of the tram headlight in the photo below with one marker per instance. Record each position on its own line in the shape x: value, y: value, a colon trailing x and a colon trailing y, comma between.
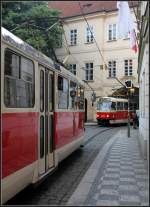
x: 107, y: 115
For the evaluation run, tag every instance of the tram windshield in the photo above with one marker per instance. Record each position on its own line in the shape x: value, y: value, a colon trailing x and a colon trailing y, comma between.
x: 106, y: 105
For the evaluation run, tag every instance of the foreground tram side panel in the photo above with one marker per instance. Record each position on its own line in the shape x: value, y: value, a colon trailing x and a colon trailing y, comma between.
x: 42, y: 113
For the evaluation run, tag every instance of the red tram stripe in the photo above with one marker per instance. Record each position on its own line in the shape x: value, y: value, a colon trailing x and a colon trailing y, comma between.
x: 112, y: 115
x: 20, y: 136
x: 19, y: 141
x: 68, y: 127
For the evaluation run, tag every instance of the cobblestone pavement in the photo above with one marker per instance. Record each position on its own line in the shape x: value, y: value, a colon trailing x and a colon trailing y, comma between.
x: 122, y: 178
x: 58, y: 187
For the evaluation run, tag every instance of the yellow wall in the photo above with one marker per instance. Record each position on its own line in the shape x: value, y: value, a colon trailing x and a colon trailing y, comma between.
x: 118, y: 50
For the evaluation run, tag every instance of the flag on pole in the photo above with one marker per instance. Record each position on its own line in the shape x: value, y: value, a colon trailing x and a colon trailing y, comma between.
x: 125, y: 24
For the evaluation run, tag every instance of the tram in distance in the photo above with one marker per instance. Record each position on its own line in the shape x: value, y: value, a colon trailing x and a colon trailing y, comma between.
x: 42, y: 114
x: 111, y: 110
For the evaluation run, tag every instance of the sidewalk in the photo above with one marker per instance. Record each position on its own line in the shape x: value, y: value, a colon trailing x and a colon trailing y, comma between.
x: 118, y: 176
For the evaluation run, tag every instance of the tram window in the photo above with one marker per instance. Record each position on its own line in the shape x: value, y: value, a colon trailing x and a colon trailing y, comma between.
x: 23, y: 94
x: 51, y: 99
x: 80, y: 97
x: 41, y: 90
x: 10, y: 90
x: 113, y: 106
x: 119, y: 105
x: 63, y: 92
x: 51, y: 127
x: 125, y: 105
x: 18, y: 90
x: 41, y: 136
x: 26, y: 69
x: 11, y: 64
x: 72, y: 94
x: 104, y: 105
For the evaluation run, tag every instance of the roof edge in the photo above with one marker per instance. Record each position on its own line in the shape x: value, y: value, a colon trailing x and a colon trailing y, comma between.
x: 100, y: 11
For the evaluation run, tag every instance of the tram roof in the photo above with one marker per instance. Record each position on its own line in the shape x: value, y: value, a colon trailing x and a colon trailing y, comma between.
x: 25, y: 47
x: 31, y: 51
x: 114, y: 99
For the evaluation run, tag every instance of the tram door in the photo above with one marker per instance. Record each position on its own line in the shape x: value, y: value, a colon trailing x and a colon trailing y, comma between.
x: 46, y: 155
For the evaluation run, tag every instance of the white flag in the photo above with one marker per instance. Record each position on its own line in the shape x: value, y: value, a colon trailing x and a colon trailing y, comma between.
x: 125, y: 24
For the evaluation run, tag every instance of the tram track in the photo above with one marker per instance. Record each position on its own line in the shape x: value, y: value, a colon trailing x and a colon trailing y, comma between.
x: 95, y: 135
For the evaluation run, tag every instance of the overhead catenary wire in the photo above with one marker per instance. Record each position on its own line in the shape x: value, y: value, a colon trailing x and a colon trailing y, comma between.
x: 83, y: 68
x: 67, y: 47
x: 92, y: 34
x: 68, y: 50
x: 71, y: 53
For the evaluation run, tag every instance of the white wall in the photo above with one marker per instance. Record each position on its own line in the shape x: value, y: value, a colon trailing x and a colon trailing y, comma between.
x: 144, y: 103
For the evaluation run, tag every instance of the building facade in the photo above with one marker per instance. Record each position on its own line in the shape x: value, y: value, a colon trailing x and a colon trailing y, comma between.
x: 91, y: 49
x: 143, y: 73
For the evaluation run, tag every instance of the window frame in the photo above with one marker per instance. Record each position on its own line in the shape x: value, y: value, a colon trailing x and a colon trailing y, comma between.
x: 59, y: 75
x: 127, y: 70
x: 88, y: 71
x: 72, y: 69
x: 112, y: 69
x: 42, y: 90
x: 113, y: 32
x: 20, y: 78
x: 121, y: 104
x: 73, y: 37
x: 89, y: 35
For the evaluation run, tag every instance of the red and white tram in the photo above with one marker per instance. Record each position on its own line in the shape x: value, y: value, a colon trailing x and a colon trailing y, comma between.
x: 42, y: 114
x: 112, y: 110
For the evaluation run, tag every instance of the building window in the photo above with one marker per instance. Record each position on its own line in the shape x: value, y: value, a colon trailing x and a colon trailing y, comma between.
x: 72, y: 68
x: 73, y: 37
x: 89, y: 71
x: 89, y: 34
x: 128, y: 67
x: 112, y: 68
x: 18, y: 81
x: 111, y: 32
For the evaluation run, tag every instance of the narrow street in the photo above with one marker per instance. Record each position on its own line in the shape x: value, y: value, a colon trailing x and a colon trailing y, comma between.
x: 74, y: 103
x: 58, y: 187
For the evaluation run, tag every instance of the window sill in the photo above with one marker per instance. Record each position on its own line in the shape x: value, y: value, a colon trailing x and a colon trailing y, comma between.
x: 88, y: 43
x: 72, y: 45
x: 88, y: 80
x: 127, y: 76
x: 111, y: 40
x: 111, y: 77
x: 127, y: 38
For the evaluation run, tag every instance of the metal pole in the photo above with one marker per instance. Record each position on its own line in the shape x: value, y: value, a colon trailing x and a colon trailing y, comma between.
x: 128, y: 115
